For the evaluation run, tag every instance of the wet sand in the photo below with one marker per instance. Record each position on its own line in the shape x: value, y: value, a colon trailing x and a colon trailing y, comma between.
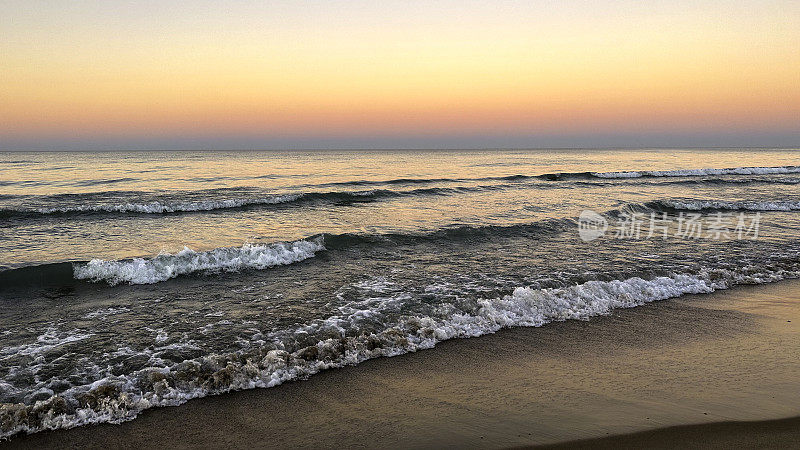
x: 783, y: 433
x: 707, y: 360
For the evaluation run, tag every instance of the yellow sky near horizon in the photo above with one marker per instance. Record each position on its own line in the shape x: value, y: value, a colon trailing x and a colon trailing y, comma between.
x: 350, y: 68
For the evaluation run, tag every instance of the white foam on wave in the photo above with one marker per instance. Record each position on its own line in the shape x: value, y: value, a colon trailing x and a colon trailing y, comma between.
x: 700, y: 172
x: 698, y: 205
x: 160, y: 208
x: 167, y: 265
x: 340, y: 346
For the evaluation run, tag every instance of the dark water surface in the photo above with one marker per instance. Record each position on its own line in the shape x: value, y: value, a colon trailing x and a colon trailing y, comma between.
x: 132, y: 280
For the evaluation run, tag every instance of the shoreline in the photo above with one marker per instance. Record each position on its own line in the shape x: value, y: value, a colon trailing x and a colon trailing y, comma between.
x: 697, y: 359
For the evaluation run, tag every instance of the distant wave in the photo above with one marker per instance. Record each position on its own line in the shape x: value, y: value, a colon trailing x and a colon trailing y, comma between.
x: 454, y: 233
x: 699, y: 172
x: 157, y: 207
x: 19, y: 161
x: 427, y: 180
x: 718, y: 180
x: 168, y: 207
x: 88, y: 203
x: 553, y: 176
x: 167, y: 265
x: 562, y: 176
x: 87, y: 183
x: 744, y: 205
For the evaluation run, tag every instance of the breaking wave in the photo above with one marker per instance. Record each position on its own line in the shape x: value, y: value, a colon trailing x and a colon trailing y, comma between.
x: 700, y: 172
x: 339, y: 341
x: 161, y: 208
x: 167, y: 265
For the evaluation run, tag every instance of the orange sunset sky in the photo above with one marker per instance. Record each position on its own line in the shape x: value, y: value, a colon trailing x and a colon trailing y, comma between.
x: 394, y: 74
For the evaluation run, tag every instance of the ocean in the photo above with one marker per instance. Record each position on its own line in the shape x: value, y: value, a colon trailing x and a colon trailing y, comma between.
x: 131, y: 280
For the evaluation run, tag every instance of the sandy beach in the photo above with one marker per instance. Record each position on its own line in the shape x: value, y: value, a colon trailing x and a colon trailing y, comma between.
x: 702, y: 359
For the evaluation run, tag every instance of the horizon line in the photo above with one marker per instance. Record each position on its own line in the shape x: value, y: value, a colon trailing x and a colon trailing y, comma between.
x: 767, y: 147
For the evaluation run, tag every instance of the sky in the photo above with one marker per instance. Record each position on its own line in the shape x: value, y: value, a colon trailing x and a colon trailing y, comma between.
x: 133, y: 75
